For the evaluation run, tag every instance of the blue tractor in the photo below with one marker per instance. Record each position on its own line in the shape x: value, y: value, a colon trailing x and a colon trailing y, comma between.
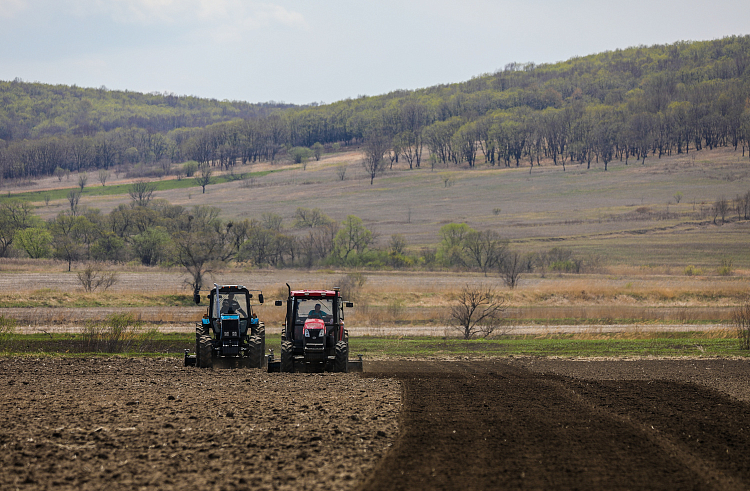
x: 229, y: 334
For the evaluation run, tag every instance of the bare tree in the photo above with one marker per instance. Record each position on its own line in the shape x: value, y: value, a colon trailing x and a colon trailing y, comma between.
x: 312, y: 218
x: 103, y: 176
x: 376, y: 145
x: 511, y: 267
x: 203, y: 178
x: 478, y: 311
x: 92, y: 278
x: 74, y: 196
x: 485, y: 249
x: 83, y: 178
x: 141, y: 192
x: 720, y: 208
x: 198, y: 248
x: 341, y: 172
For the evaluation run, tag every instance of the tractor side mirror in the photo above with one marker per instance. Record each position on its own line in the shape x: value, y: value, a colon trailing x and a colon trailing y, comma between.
x: 197, y: 298
x: 278, y: 303
x: 260, y: 297
x: 348, y: 305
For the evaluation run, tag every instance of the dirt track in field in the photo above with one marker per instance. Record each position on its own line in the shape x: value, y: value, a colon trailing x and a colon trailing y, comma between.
x: 506, y: 424
x: 601, y: 425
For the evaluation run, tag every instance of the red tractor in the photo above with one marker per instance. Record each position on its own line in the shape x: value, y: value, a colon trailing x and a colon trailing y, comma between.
x: 314, y: 338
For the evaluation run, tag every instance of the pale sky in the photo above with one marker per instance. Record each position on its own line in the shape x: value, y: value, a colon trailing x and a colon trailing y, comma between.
x: 300, y: 51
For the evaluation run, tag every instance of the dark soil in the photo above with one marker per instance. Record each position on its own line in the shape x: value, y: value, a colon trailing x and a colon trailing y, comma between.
x: 132, y: 423
x: 515, y: 423
x: 602, y: 425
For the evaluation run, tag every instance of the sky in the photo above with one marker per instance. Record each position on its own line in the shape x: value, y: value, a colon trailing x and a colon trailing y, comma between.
x: 303, y: 51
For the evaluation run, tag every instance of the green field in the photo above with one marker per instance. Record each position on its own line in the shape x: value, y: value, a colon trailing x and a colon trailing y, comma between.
x: 688, y: 344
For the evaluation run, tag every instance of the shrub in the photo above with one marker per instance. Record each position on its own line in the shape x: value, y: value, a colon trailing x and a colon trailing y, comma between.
x: 726, y: 267
x: 92, y: 278
x: 120, y: 333
x: 567, y: 266
x: 190, y: 167
x: 693, y: 271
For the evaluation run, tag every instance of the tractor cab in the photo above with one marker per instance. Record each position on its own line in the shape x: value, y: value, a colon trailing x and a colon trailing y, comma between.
x: 230, y: 306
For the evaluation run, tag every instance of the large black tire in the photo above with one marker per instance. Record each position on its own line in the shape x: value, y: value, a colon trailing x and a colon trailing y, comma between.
x: 255, y: 352
x: 205, y: 352
x: 287, y: 359
x: 262, y: 335
x: 341, y: 363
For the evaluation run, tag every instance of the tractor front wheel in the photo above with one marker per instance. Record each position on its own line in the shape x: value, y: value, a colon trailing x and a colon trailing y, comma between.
x: 340, y: 363
x: 205, y: 352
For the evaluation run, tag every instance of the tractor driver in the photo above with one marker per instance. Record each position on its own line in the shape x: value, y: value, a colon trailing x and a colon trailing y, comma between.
x: 316, y: 313
x: 232, y: 306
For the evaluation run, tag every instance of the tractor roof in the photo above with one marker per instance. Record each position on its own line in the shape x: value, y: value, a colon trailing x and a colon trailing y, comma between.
x: 224, y: 288
x: 315, y: 293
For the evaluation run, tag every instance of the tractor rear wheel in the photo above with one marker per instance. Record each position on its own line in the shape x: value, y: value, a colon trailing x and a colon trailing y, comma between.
x: 287, y: 358
x: 205, y: 352
x: 255, y: 353
x: 342, y: 357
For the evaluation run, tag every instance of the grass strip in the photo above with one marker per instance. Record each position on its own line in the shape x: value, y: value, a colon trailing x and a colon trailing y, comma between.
x: 686, y: 344
x: 118, y: 189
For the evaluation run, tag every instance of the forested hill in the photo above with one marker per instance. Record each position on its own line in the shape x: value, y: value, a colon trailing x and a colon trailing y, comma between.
x: 633, y: 102
x: 37, y: 110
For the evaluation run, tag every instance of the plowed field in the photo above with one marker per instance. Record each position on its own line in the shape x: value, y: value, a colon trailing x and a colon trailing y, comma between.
x: 506, y: 424
x: 604, y: 425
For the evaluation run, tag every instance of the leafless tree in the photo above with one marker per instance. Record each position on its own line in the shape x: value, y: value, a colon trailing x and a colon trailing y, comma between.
x: 341, y: 172
x: 92, y: 278
x: 83, y: 178
x: 203, y: 178
x: 103, y: 176
x: 511, y: 267
x: 312, y: 218
x: 486, y: 249
x: 478, y: 311
x: 376, y: 145
x: 720, y: 208
x: 74, y: 196
x: 141, y: 192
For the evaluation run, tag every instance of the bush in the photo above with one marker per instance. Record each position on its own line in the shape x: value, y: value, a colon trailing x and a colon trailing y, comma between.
x: 567, y: 266
x: 120, y: 334
x: 190, y: 167
x: 726, y: 267
x: 92, y: 278
x: 693, y: 271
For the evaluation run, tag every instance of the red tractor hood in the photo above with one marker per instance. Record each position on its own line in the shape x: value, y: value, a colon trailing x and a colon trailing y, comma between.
x: 315, y: 324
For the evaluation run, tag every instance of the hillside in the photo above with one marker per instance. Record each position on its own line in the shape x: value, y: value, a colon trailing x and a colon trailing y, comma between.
x: 628, y: 103
x: 628, y: 215
x: 631, y: 158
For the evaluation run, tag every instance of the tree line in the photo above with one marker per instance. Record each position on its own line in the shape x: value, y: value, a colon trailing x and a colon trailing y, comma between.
x: 156, y: 233
x: 618, y: 105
